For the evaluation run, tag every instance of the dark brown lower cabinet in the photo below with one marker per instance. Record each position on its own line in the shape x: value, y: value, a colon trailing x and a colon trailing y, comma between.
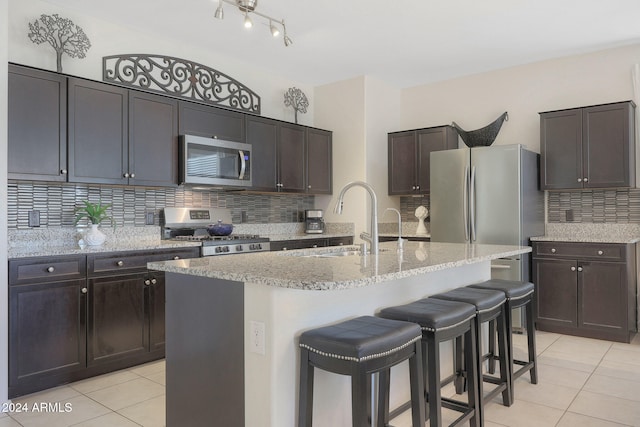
x: 74, y: 317
x: 285, y: 245
x: 586, y: 289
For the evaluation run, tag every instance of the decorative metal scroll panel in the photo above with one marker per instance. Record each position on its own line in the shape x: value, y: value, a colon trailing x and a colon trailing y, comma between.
x: 180, y: 77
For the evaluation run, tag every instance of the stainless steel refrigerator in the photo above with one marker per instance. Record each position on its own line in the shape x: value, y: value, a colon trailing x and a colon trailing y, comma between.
x: 488, y: 195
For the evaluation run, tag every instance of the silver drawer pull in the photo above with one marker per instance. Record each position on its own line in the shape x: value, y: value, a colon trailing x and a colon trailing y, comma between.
x: 84, y: 290
x: 51, y: 269
x: 579, y: 268
x: 120, y: 263
x: 154, y: 281
x: 176, y: 257
x: 147, y: 282
x: 553, y: 250
x: 573, y: 269
x: 600, y: 253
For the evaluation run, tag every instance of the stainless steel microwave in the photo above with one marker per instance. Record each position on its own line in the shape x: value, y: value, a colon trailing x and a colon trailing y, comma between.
x: 211, y: 161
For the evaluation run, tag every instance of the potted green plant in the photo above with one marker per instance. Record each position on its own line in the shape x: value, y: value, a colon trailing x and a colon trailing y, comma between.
x: 95, y: 213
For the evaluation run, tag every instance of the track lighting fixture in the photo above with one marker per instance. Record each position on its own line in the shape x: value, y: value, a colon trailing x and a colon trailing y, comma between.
x: 248, y: 7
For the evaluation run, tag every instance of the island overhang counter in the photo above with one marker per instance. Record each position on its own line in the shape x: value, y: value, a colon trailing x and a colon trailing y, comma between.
x: 232, y: 323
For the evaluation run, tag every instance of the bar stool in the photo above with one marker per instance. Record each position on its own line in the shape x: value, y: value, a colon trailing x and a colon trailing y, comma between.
x: 490, y: 305
x: 440, y: 321
x: 360, y: 347
x: 519, y: 295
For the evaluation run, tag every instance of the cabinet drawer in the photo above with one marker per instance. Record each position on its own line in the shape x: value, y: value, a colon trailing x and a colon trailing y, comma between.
x: 114, y: 263
x: 596, y: 251
x: 46, y: 269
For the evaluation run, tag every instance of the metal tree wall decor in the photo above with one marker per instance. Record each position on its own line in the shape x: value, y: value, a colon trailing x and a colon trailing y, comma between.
x: 62, y: 34
x: 179, y: 77
x: 295, y: 98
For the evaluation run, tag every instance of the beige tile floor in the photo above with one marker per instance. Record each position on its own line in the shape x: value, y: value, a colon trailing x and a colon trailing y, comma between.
x: 582, y: 383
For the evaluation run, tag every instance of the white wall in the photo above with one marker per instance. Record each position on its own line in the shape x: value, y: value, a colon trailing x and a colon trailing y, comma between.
x: 108, y: 38
x: 4, y: 48
x: 524, y: 91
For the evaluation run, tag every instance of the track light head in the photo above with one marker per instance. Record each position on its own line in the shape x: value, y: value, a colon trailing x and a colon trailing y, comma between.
x: 248, y: 23
x: 219, y: 12
x: 247, y: 7
x: 275, y: 32
x: 287, y: 41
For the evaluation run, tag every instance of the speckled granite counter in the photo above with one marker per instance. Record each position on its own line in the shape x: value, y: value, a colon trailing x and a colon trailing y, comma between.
x: 37, y: 251
x: 590, y: 232
x: 299, y: 269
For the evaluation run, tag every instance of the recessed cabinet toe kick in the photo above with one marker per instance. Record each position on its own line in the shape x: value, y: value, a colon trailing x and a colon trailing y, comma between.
x: 586, y: 289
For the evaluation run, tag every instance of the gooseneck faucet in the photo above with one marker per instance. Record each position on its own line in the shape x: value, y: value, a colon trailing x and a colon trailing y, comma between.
x: 371, y: 237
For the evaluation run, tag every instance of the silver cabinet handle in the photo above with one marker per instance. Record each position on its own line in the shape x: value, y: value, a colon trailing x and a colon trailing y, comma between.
x: 154, y: 281
x: 51, y: 269
x: 579, y: 268
x: 553, y: 250
x: 147, y: 282
x: 120, y: 263
x: 413, y: 187
x: 309, y: 187
x: 417, y: 187
x: 84, y: 290
x: 176, y: 257
x: 133, y: 175
x: 586, y: 180
x: 600, y: 253
x: 125, y: 175
x: 63, y: 171
x: 579, y: 179
x: 314, y: 246
x: 573, y: 269
x: 285, y: 249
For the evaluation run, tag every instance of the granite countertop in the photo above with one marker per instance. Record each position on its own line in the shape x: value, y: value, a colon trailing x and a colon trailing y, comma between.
x: 590, y: 233
x: 52, y: 250
x: 291, y: 269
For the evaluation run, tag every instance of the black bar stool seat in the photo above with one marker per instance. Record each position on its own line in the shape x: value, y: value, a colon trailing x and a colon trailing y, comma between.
x: 360, y: 347
x: 440, y: 321
x: 490, y: 306
x: 518, y: 294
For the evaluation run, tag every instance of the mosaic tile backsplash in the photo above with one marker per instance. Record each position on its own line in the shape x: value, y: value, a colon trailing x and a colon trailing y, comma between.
x: 596, y: 206
x: 56, y: 203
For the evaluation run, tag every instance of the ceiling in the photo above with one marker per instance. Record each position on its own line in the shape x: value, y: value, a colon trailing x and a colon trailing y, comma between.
x: 402, y: 42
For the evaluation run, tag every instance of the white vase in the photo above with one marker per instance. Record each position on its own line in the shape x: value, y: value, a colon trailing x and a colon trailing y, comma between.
x: 94, y: 236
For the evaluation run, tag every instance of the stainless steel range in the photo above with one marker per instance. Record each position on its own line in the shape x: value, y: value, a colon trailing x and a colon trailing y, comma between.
x: 191, y: 224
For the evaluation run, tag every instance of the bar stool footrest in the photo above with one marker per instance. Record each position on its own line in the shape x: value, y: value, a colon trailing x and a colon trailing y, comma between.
x: 459, y: 406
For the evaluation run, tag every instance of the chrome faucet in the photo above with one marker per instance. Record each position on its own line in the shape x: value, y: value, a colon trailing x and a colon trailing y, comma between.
x: 399, y: 225
x: 371, y: 237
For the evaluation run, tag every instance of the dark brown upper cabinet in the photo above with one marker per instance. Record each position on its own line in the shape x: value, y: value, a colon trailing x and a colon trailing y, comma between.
x: 98, y: 128
x: 153, y: 140
x: 319, y: 161
x: 410, y: 154
x: 37, y: 123
x: 262, y: 134
x: 588, y: 147
x: 211, y: 122
x: 288, y: 157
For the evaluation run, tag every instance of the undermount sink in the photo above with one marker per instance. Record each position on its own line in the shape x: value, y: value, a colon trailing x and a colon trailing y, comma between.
x: 326, y: 252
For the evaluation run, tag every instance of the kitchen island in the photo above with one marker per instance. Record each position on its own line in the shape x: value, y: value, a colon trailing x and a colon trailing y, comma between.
x: 233, y: 322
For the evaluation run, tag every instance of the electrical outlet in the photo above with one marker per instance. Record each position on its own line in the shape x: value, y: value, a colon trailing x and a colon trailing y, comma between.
x: 34, y: 218
x: 257, y: 337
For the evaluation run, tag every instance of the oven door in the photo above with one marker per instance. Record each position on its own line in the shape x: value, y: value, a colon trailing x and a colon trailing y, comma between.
x: 209, y: 161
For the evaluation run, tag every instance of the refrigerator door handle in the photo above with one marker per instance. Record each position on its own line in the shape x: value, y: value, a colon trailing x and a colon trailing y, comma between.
x: 472, y: 204
x: 465, y: 201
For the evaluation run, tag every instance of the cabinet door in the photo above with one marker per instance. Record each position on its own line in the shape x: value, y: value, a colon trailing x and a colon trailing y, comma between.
x: 556, y: 291
x: 402, y: 163
x: 291, y: 158
x: 37, y: 124
x: 262, y: 134
x: 428, y: 141
x: 561, y: 149
x: 117, y: 324
x: 603, y: 296
x: 608, y: 136
x: 98, y: 131
x: 47, y: 333
x: 153, y: 140
x: 319, y: 179
x: 211, y: 122
x: 156, y: 304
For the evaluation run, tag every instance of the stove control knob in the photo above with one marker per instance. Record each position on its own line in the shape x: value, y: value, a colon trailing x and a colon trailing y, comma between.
x: 239, y: 248
x: 218, y: 249
x: 258, y: 246
x: 225, y: 248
